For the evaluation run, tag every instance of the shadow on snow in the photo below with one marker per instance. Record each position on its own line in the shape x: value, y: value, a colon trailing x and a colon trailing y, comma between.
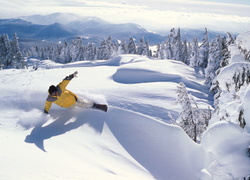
x: 63, y: 124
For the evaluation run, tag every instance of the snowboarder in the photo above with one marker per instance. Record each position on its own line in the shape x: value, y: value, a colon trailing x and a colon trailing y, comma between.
x: 67, y: 99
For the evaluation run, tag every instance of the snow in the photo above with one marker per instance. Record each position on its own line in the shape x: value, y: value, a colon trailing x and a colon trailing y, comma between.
x: 236, y: 56
x: 246, y: 106
x: 227, y: 142
x: 243, y: 40
x: 133, y: 140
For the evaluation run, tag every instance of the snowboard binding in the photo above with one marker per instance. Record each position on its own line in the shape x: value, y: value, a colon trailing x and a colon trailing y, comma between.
x: 102, y: 107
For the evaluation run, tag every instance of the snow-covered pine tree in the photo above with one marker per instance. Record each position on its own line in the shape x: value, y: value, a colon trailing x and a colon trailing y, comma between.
x: 51, y: 53
x: 147, y: 51
x: 76, y: 49
x: 122, y: 48
x: 185, y: 53
x: 176, y: 44
x: 140, y: 46
x: 57, y: 52
x: 34, y: 52
x: 66, y: 51
x: 131, y: 46
x: 2, y: 52
x: 194, y: 53
x: 158, y: 53
x: 230, y: 39
x: 107, y: 49
x: 168, y: 52
x: 186, y: 119
x: 214, y: 60
x: 90, y: 53
x: 16, y: 54
x: 6, y: 51
x: 164, y: 50
x: 225, y: 52
x: 193, y: 120
x: 113, y: 48
x: 143, y: 48
x: 203, y: 51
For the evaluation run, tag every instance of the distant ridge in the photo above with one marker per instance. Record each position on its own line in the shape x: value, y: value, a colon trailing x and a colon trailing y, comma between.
x: 26, y: 29
x: 66, y: 26
x: 62, y: 18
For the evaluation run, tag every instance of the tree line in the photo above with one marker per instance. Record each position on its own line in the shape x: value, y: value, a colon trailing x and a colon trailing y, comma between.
x: 191, y: 53
x: 10, y: 53
x: 76, y: 51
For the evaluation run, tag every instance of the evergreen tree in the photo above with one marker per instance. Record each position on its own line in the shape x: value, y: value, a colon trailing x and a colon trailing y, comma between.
x: 168, y: 52
x: 107, y: 49
x: 34, y: 52
x: 187, y: 121
x: 2, y: 51
x: 225, y: 52
x: 76, y: 49
x: 203, y: 51
x: 51, y: 53
x: 185, y: 55
x: 194, y: 53
x: 7, y: 59
x: 113, y: 48
x: 159, y: 52
x: 164, y: 50
x: 90, y: 52
x: 176, y: 45
x: 66, y: 56
x: 214, y: 60
x: 147, y: 52
x: 122, y: 48
x: 16, y: 55
x: 141, y: 46
x: 193, y: 120
x: 230, y: 39
x: 131, y: 46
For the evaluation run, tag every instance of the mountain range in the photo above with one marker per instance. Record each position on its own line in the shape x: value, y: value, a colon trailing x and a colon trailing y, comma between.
x: 66, y: 26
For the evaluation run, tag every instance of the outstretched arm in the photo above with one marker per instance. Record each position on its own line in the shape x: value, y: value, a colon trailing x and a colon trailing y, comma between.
x: 71, y: 76
x: 66, y: 80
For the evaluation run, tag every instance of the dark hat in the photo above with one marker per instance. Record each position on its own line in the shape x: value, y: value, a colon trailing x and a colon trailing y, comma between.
x: 52, y: 89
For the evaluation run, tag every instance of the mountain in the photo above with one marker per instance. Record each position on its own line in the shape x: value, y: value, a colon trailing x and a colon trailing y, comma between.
x: 55, y: 30
x: 62, y: 18
x: 89, y: 26
x: 65, y: 26
x: 95, y: 28
x: 92, y: 27
x: 26, y: 29
x: 19, y: 26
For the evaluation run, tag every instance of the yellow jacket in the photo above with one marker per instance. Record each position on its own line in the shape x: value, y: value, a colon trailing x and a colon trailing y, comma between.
x: 65, y: 98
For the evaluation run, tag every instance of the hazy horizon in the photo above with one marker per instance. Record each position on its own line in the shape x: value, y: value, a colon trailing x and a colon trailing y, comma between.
x: 158, y: 15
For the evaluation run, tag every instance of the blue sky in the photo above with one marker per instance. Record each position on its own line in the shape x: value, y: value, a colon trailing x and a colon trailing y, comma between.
x: 224, y: 15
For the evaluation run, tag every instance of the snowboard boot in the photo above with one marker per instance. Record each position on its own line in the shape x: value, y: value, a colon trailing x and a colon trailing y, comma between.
x: 102, y: 107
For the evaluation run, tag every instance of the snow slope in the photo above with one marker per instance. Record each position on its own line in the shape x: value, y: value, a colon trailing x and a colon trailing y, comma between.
x: 133, y: 140
x: 226, y: 140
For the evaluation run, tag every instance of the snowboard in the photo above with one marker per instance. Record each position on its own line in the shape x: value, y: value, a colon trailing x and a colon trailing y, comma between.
x: 102, y: 107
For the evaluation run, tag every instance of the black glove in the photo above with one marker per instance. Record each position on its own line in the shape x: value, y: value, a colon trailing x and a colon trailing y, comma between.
x: 71, y: 76
x: 75, y: 74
